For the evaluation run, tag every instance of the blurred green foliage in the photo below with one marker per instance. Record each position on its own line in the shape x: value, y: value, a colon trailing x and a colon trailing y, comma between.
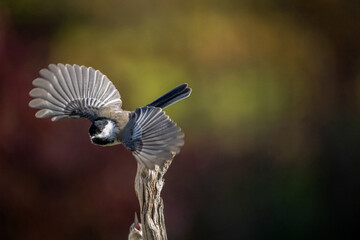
x: 271, y: 127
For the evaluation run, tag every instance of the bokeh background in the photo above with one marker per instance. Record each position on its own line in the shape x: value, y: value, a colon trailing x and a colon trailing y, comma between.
x: 272, y: 126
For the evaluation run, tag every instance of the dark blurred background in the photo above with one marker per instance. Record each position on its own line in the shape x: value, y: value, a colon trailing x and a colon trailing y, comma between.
x: 272, y: 127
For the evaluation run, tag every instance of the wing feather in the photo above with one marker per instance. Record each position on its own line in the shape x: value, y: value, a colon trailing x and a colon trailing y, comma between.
x: 63, y: 72
x: 72, y: 77
x: 153, y: 138
x: 72, y: 91
x: 49, y: 76
x: 43, y: 94
x: 58, y: 77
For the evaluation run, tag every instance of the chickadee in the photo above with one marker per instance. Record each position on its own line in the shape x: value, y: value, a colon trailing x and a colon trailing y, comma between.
x: 78, y: 91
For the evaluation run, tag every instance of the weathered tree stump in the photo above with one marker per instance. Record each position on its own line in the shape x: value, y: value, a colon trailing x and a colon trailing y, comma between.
x: 148, y: 186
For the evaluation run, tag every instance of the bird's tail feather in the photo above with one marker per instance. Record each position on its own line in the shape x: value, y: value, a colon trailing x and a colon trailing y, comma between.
x: 180, y: 92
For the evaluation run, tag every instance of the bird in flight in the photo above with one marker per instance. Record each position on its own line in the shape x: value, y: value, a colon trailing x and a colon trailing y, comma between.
x: 77, y: 91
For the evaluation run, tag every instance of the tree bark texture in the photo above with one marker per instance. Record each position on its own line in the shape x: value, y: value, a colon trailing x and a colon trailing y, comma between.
x: 148, y: 186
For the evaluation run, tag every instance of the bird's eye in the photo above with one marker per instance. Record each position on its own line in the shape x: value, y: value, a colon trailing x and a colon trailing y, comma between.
x: 93, y: 130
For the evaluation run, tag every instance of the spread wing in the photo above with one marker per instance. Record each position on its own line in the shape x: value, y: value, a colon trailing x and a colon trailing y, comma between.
x: 72, y: 91
x: 153, y: 137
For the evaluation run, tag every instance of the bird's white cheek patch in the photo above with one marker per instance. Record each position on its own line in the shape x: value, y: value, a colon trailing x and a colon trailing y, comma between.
x: 107, y: 131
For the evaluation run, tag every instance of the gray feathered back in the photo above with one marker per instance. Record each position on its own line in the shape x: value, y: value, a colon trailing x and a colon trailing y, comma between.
x: 72, y: 91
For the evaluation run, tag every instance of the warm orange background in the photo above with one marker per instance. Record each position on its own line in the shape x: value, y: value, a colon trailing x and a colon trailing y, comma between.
x: 272, y: 127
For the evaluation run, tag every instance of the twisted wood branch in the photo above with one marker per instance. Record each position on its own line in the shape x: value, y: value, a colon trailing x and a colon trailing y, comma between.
x: 148, y: 186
